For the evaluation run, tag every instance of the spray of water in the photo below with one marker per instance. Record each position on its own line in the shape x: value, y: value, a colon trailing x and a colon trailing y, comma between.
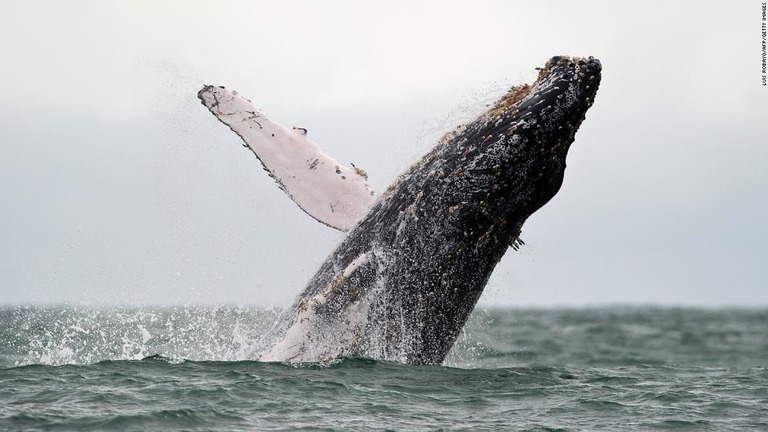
x: 56, y: 335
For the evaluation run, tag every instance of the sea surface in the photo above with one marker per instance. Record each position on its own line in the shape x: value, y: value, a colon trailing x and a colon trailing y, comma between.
x: 70, y: 368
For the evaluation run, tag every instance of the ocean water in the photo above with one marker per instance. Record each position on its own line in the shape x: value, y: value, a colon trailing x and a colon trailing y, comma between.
x: 609, y: 368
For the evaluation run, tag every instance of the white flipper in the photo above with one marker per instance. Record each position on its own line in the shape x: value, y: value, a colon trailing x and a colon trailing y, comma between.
x: 333, y: 194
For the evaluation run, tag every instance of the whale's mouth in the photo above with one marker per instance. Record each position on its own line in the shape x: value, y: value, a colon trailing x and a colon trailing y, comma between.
x: 586, y: 69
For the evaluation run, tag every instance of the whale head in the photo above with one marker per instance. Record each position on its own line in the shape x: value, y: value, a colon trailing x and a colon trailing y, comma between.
x: 535, y: 125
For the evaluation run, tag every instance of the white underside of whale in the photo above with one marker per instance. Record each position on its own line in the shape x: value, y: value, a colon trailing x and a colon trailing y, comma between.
x: 310, y: 339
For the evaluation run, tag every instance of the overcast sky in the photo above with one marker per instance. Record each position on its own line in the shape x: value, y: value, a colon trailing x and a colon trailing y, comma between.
x: 117, y: 186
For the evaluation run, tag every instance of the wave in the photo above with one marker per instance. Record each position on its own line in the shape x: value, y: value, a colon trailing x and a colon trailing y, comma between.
x: 493, y: 339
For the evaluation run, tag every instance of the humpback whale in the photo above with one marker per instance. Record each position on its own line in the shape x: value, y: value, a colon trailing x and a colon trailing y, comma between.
x: 403, y: 282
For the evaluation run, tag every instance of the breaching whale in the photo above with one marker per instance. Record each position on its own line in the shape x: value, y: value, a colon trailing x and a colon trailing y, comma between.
x: 404, y: 281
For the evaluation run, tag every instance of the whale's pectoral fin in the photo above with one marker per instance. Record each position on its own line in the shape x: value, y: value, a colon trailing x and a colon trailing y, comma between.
x: 333, y: 194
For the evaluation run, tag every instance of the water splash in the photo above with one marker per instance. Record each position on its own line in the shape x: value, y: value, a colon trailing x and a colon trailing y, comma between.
x: 56, y: 335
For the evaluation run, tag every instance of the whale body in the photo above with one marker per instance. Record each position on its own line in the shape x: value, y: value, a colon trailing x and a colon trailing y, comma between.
x: 416, y: 259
